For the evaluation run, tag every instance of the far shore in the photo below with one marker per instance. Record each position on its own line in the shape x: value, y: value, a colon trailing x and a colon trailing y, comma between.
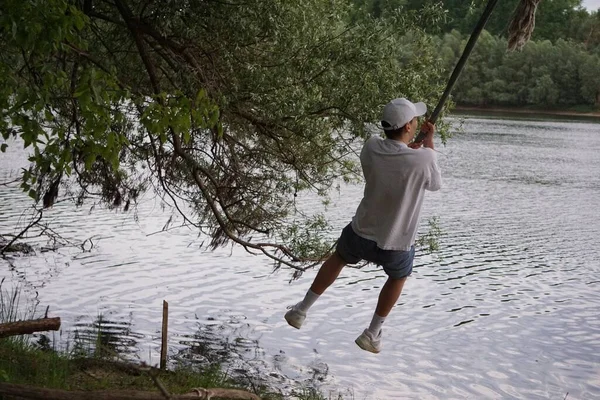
x: 497, y: 111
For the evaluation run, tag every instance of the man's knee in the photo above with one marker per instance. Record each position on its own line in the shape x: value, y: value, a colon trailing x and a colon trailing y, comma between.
x: 397, y: 281
x: 337, y: 259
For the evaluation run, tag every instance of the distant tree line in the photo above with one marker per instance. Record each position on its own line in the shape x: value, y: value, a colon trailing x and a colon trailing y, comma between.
x: 561, y: 74
x: 559, y: 67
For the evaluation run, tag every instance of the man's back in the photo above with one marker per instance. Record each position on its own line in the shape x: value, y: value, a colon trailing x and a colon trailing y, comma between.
x: 396, y: 177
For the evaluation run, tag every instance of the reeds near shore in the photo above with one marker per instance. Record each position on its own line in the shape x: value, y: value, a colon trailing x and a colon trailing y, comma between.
x: 87, y: 363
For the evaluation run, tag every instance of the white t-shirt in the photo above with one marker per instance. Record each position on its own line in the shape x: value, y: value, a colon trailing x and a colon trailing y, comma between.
x: 396, y: 179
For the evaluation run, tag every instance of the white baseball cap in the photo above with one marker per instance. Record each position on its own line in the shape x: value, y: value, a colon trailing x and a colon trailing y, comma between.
x: 399, y: 112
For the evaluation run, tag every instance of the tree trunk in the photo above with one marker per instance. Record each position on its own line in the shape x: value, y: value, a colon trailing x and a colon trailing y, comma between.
x: 28, y: 392
x: 25, y: 327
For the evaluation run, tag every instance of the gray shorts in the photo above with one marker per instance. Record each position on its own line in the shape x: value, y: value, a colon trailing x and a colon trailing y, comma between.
x: 352, y: 248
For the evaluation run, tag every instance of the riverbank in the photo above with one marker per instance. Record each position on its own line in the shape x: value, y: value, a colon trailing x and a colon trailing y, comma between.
x: 95, y: 369
x: 90, y: 364
x: 529, y: 113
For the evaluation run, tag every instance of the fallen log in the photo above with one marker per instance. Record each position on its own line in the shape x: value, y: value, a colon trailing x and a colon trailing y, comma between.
x: 30, y: 326
x: 35, y: 393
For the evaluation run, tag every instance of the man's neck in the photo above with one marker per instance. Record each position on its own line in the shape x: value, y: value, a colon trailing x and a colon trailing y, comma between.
x: 403, y: 139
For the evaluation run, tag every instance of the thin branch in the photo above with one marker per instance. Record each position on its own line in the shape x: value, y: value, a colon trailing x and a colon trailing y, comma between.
x: 167, y: 43
x: 196, y: 169
x: 159, y: 384
x: 103, y: 17
x: 97, y: 63
x: 167, y: 229
x: 127, y: 16
x: 21, y: 233
x: 10, y: 182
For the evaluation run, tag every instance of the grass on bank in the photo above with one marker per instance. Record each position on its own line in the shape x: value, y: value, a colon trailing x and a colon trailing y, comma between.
x: 23, y: 363
x: 89, y: 366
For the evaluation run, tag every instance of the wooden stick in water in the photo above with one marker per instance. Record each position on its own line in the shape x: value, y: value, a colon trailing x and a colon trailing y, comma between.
x: 165, y: 326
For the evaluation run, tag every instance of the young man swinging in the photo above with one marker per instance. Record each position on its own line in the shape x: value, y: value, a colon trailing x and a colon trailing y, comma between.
x: 383, y: 230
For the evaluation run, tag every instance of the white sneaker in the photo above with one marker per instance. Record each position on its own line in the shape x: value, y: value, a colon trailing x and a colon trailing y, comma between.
x: 295, y: 317
x: 367, y: 341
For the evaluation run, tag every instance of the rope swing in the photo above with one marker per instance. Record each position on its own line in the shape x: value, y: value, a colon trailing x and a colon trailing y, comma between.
x: 522, y: 24
x: 519, y: 33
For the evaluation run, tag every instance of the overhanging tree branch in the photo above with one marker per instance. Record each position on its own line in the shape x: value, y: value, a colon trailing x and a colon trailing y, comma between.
x: 231, y: 122
x: 196, y: 169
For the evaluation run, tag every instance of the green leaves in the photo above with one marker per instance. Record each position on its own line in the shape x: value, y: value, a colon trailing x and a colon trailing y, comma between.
x: 429, y: 241
x: 179, y: 114
x: 308, y: 238
x: 231, y: 108
x: 54, y: 22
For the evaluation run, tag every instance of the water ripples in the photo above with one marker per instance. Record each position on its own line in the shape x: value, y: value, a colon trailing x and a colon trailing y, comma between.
x: 506, y: 309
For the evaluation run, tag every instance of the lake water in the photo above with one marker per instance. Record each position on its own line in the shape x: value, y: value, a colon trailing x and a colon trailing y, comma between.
x: 508, y: 307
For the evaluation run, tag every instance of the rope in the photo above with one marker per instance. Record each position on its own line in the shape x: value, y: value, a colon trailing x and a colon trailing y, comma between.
x: 522, y: 24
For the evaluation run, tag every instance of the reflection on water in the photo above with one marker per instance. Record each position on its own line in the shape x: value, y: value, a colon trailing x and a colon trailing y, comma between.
x: 235, y: 344
x: 104, y: 338
x: 506, y: 309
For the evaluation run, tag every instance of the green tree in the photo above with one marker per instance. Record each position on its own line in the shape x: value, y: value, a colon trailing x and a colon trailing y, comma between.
x: 429, y: 15
x: 544, y: 91
x: 227, y: 110
x: 555, y: 18
x: 588, y: 32
x: 590, y: 80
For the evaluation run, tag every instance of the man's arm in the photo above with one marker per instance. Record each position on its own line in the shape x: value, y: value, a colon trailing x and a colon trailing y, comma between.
x: 429, y: 129
x: 435, y: 176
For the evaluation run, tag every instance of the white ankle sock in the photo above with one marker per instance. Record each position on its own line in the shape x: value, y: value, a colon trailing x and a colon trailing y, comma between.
x: 308, y: 301
x: 376, y: 324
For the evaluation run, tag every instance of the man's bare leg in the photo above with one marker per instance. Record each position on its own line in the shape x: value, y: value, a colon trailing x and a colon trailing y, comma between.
x: 389, y: 295
x: 390, y: 292
x: 328, y: 273
x: 370, y: 339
